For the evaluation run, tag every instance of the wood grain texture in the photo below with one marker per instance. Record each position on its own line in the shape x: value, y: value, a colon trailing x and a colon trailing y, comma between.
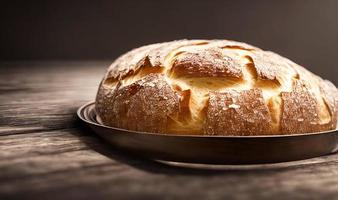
x: 45, y: 152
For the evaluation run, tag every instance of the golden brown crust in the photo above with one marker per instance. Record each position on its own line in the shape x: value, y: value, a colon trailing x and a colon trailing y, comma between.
x: 299, y: 110
x: 215, y: 87
x: 143, y: 106
x: 237, y: 113
x: 206, y: 63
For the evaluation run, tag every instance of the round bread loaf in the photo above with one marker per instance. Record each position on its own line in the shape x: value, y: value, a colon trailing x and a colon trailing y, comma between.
x: 214, y: 87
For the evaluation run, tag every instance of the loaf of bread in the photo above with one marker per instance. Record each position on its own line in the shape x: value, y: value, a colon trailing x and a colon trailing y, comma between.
x: 214, y: 87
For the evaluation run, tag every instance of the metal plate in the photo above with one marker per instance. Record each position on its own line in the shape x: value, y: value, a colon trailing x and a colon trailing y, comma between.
x: 214, y: 149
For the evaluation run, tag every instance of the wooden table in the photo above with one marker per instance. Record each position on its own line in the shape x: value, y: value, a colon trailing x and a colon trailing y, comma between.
x: 46, y: 152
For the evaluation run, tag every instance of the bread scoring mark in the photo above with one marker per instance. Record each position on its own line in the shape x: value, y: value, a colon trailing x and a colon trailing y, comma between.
x: 237, y: 47
x: 237, y: 113
x: 251, y: 67
x: 327, y: 117
x: 190, y: 118
x: 144, y: 68
x: 110, y: 82
x: 184, y: 113
x: 274, y: 68
x: 228, y: 44
x: 179, y: 53
x: 275, y: 105
x: 201, y: 43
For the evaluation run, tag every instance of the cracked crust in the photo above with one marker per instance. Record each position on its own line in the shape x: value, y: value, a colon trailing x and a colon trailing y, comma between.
x: 214, y: 87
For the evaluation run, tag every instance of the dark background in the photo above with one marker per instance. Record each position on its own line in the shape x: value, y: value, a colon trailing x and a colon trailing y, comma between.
x: 304, y: 31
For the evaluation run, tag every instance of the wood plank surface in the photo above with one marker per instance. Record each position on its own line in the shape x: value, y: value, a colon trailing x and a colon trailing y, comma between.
x: 47, y: 153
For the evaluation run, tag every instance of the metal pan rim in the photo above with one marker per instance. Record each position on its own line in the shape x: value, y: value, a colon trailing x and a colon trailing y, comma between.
x: 220, y: 150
